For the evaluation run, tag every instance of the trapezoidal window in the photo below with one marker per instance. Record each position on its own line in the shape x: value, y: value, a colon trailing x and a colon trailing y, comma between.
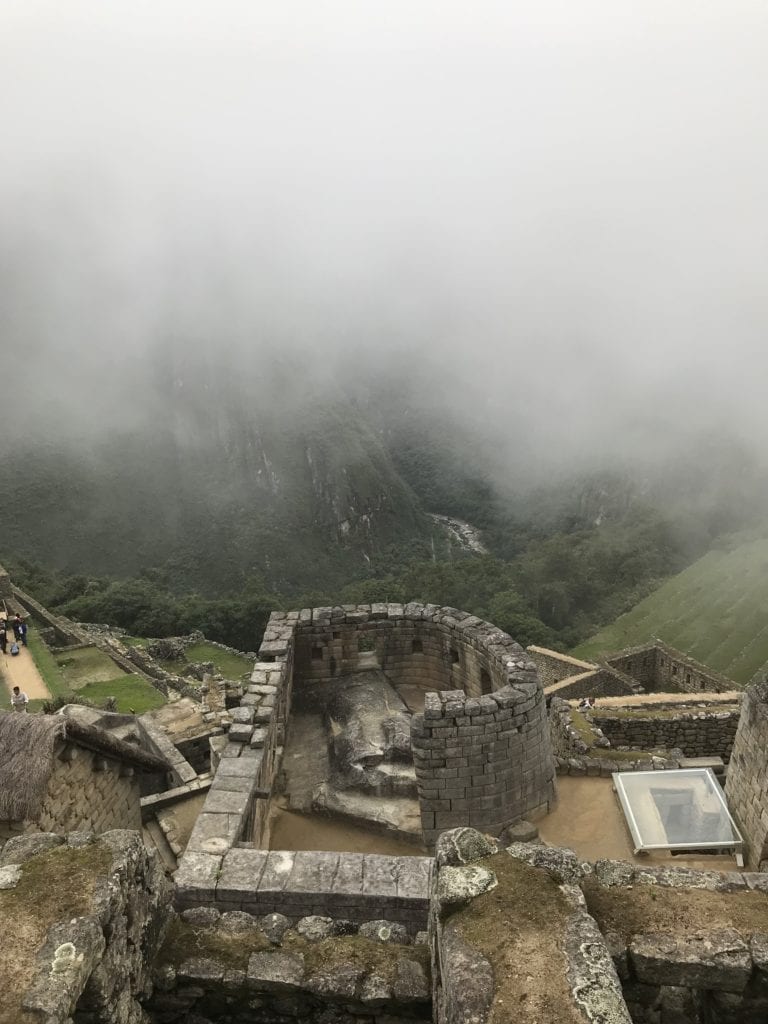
x: 417, y: 647
x: 485, y: 681
x: 317, y: 654
x: 454, y: 656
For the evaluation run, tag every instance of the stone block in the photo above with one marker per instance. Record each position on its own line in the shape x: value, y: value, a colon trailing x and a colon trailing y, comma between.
x: 240, y: 733
x: 717, y: 960
x: 240, y: 874
x: 276, y: 972
x: 277, y: 871
x: 196, y: 877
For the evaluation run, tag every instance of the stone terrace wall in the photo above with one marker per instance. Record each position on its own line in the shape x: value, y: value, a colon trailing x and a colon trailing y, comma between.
x: 316, y: 973
x: 747, y: 785
x: 696, y: 733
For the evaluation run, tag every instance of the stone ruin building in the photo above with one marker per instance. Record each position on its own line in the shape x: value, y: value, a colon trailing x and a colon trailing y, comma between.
x: 433, y: 730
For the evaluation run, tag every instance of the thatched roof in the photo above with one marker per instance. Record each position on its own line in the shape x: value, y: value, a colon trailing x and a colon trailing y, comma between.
x: 28, y: 752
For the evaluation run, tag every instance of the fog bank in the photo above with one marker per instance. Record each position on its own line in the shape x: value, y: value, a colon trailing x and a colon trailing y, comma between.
x: 550, y: 216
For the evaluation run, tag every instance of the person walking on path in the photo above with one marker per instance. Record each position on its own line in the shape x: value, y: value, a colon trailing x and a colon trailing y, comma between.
x: 3, y: 637
x: 19, y: 700
x: 17, y: 624
x: 23, y: 632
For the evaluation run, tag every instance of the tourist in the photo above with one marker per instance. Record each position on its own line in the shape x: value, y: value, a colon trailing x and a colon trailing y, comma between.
x: 17, y: 624
x: 3, y: 637
x: 19, y: 700
x: 14, y: 649
x: 23, y: 632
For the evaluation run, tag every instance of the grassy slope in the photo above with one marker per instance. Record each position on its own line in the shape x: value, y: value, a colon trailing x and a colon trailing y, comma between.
x: 716, y: 611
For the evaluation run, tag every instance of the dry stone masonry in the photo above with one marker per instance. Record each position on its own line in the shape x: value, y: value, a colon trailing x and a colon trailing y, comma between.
x: 747, y: 785
x: 481, y: 749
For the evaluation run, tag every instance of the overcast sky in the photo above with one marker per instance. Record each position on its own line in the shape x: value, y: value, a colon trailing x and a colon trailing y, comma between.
x: 564, y: 203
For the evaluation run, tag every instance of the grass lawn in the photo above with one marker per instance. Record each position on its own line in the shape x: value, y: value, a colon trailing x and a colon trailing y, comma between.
x: 80, y: 666
x: 131, y: 692
x: 716, y: 611
x: 231, y: 666
x: 134, y: 641
x: 86, y: 665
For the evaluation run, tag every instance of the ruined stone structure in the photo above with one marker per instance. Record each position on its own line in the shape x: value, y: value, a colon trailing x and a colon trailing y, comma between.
x: 522, y: 933
x: 747, y: 785
x: 642, y: 736
x: 654, y: 667
x: 481, y: 749
x: 73, y: 777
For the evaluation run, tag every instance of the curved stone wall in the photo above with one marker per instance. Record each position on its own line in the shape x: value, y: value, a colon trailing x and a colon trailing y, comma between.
x: 426, y: 645
x: 481, y: 748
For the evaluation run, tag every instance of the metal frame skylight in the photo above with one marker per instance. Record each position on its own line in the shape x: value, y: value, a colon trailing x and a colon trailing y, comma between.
x: 643, y: 796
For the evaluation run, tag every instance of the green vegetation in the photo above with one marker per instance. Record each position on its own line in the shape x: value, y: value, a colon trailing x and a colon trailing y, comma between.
x: 84, y: 665
x: 716, y: 611
x: 231, y: 666
x: 131, y: 693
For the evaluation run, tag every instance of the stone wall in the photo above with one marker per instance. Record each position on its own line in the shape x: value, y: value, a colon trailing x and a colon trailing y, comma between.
x: 223, y: 967
x: 747, y: 785
x: 661, y: 668
x: 698, y: 733
x: 512, y: 939
x: 429, y: 646
x: 482, y: 761
x: 707, y: 963
x: 85, y: 791
x: 353, y: 886
x: 93, y: 967
x: 491, y: 772
x: 554, y: 667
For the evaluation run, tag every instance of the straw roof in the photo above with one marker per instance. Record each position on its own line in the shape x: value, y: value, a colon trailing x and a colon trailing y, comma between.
x: 28, y: 755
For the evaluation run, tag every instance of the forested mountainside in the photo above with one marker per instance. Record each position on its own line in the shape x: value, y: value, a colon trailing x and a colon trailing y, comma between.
x: 217, y: 493
x: 226, y: 496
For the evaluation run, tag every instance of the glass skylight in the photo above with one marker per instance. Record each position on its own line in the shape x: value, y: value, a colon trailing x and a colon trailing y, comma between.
x: 680, y: 809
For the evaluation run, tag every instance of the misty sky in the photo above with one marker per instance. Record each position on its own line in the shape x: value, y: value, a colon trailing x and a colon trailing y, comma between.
x: 563, y: 205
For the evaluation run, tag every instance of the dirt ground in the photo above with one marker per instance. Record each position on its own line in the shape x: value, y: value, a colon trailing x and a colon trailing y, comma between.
x: 649, y: 908
x: 290, y: 830
x: 518, y: 926
x: 20, y: 670
x: 588, y: 820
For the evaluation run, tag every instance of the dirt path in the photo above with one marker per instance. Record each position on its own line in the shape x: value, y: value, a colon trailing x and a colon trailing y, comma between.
x: 21, y: 671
